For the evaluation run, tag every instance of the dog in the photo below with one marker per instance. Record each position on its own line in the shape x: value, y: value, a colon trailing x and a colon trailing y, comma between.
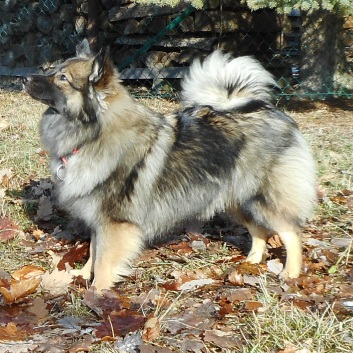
x: 133, y: 175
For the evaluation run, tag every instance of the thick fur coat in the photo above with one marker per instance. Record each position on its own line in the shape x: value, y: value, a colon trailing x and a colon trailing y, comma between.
x: 133, y: 175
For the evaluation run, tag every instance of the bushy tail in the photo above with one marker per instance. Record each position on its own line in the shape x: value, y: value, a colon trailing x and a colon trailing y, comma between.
x: 225, y: 83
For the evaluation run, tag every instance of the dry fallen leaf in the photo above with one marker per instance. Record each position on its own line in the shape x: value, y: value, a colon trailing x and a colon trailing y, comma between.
x: 5, y: 278
x: 120, y: 324
x: 5, y: 177
x: 4, y: 124
x: 198, y: 245
x: 252, y: 305
x: 149, y: 348
x: 290, y: 348
x: 8, y: 229
x: 341, y: 242
x: 45, y: 209
x: 338, y: 199
x: 19, y: 289
x: 76, y: 254
x: 192, y: 344
x: 130, y: 343
x: 222, y: 339
x: 38, y: 233
x: 238, y: 295
x: 194, y: 319
x: 274, y: 241
x: 27, y: 272
x: 39, y: 308
x: 275, y: 266
x: 183, y: 248
x: 11, y: 333
x: 226, y: 308
x: 103, y: 305
x: 235, y: 277
x: 18, y: 347
x: 84, y: 345
x: 194, y: 284
x: 151, y: 329
x: 56, y: 282
x: 25, y: 281
x: 350, y: 202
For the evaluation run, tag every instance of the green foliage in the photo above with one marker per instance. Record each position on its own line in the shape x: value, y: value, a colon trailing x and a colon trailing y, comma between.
x: 196, y: 3
x: 285, y: 6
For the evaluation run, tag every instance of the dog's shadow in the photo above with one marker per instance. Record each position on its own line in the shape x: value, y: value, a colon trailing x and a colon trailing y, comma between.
x: 219, y: 228
x: 38, y: 203
x: 39, y: 206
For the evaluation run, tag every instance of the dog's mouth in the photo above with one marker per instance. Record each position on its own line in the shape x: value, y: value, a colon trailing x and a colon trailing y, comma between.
x: 34, y: 90
x: 48, y: 102
x: 52, y: 110
x: 41, y: 91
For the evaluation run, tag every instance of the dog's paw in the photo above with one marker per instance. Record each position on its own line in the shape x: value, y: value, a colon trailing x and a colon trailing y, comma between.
x: 101, y: 284
x: 254, y: 257
x: 285, y: 274
x: 86, y: 274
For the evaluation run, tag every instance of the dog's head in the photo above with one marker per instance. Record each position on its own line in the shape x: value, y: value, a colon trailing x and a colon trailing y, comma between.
x: 76, y: 88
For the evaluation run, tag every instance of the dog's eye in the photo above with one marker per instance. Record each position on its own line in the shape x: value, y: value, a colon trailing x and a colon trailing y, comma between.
x: 62, y: 77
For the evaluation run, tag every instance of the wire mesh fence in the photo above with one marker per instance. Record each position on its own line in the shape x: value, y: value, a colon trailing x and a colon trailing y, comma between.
x: 36, y: 33
x: 153, y: 46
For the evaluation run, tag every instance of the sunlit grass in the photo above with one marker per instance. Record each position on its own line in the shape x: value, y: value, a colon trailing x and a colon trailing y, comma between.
x: 282, y: 326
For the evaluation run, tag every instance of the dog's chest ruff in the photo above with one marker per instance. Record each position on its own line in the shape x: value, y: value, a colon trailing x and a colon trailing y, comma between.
x: 64, y: 161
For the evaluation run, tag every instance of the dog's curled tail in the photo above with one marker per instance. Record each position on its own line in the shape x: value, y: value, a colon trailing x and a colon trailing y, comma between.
x: 225, y: 83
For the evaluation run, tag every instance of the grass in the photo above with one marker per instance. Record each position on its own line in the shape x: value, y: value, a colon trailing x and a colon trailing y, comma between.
x: 75, y: 307
x: 19, y: 147
x: 279, y: 325
x: 19, y: 152
x: 13, y: 254
x: 334, y: 155
x: 282, y: 325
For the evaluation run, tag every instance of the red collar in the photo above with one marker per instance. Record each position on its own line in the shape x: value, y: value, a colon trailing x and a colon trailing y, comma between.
x: 65, y: 159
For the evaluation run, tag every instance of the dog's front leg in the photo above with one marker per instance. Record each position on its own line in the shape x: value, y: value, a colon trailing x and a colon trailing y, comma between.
x: 259, y: 241
x: 87, y: 270
x: 117, y: 245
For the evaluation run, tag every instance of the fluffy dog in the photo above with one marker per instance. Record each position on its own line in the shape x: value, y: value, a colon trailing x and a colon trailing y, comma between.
x: 132, y: 175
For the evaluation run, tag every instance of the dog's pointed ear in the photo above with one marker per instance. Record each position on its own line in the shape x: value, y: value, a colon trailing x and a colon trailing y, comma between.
x: 101, y: 66
x: 83, y: 50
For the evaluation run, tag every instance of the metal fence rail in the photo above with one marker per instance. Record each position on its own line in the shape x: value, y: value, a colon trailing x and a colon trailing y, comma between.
x: 153, y: 46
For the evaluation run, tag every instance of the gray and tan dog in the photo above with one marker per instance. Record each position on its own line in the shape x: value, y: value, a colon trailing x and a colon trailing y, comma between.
x: 132, y: 174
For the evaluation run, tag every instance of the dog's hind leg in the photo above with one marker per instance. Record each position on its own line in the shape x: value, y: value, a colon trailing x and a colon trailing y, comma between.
x: 259, y: 240
x: 118, y: 244
x: 293, y: 244
x: 291, y: 241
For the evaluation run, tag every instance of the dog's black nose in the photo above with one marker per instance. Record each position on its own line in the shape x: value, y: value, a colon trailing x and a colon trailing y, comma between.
x: 25, y: 79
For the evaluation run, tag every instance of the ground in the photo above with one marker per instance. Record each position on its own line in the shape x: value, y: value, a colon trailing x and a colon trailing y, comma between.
x: 194, y: 294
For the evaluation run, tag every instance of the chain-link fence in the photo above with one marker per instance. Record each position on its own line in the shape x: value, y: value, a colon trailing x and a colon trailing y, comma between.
x: 36, y: 33
x: 153, y: 46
